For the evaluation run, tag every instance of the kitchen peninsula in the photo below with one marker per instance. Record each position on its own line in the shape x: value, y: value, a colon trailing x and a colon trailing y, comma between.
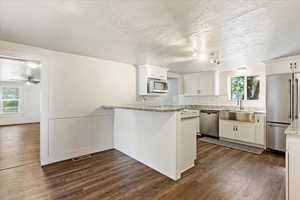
x: 154, y: 136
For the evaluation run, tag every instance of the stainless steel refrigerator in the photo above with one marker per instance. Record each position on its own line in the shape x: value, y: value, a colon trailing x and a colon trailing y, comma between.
x: 282, y: 107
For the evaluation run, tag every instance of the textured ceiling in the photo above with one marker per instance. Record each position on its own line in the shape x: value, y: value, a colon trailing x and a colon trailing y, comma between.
x: 161, y: 32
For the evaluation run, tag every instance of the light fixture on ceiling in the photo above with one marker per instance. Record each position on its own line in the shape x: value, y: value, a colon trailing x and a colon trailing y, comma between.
x: 202, y: 57
x: 33, y: 65
x: 214, y: 59
x: 242, y: 69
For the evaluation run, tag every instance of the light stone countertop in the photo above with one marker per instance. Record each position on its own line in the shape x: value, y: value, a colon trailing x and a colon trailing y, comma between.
x: 182, y: 107
x: 225, y: 108
x: 147, y: 108
x: 292, y: 131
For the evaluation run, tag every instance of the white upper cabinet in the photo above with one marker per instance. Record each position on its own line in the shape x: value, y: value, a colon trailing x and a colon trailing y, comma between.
x: 150, y: 71
x: 282, y: 65
x: 201, y: 84
x: 146, y: 72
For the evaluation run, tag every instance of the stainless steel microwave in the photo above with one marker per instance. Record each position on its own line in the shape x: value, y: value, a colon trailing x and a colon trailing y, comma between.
x: 157, y: 86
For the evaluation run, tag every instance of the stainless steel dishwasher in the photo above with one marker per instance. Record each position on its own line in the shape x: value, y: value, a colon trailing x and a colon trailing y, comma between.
x: 209, y: 123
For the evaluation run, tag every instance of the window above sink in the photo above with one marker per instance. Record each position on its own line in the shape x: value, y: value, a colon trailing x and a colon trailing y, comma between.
x: 244, y: 86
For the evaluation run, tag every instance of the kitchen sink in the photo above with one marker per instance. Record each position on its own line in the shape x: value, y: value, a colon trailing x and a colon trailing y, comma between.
x: 242, y: 116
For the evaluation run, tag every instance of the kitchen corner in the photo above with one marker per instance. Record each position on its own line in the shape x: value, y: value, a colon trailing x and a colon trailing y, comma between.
x: 144, y: 132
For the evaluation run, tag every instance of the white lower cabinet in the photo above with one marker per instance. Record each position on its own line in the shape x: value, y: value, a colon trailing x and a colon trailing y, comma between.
x: 292, y: 167
x: 227, y: 129
x: 188, y: 143
x: 260, y: 129
x: 247, y: 132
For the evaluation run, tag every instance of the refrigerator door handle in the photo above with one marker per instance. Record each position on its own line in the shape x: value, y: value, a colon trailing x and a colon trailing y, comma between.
x: 290, y: 96
x: 278, y: 125
x: 296, y: 112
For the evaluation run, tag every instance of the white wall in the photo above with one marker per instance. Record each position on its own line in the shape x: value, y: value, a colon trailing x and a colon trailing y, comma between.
x: 222, y: 99
x: 73, y: 90
x: 30, y: 105
x: 172, y: 97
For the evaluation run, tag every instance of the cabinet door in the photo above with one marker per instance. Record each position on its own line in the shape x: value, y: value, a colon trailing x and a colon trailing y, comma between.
x: 293, y: 143
x: 282, y: 66
x: 188, y: 143
x: 226, y: 129
x: 287, y: 174
x: 260, y: 135
x: 156, y: 72
x: 204, y: 83
x: 207, y: 83
x: 246, y: 132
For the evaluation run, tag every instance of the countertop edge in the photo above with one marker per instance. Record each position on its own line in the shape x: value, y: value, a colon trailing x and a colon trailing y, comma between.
x: 151, y: 109
x: 292, y: 131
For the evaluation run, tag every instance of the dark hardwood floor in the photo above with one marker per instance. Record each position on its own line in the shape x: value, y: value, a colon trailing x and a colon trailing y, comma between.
x: 221, y: 174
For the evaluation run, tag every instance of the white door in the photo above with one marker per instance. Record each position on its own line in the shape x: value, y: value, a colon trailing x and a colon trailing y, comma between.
x: 227, y: 129
x: 246, y: 132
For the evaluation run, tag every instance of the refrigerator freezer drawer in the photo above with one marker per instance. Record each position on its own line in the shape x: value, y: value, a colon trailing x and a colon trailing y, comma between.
x: 276, y: 138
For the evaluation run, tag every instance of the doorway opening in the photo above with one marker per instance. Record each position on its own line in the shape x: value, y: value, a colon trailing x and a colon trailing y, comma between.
x: 19, y: 112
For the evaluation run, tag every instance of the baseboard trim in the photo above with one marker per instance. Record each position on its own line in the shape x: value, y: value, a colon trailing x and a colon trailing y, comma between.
x: 19, y: 124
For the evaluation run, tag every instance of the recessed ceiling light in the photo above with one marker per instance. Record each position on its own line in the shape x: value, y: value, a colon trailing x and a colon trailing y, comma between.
x: 33, y: 65
x: 242, y: 69
x: 195, y: 54
x: 202, y: 57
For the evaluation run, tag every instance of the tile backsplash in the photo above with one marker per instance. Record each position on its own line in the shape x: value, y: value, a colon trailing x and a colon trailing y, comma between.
x: 220, y: 101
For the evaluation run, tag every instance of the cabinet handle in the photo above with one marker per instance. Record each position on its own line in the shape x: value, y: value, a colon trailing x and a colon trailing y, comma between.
x: 291, y: 100
x: 296, y: 112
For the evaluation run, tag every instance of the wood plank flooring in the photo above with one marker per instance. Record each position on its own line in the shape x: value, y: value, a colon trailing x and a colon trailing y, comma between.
x: 19, y: 145
x: 221, y: 174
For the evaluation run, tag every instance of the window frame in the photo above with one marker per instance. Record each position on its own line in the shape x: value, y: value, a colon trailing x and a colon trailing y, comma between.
x: 20, y: 107
x: 245, y: 88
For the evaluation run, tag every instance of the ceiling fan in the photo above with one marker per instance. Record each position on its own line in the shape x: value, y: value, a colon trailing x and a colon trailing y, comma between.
x: 31, y: 79
x: 28, y: 76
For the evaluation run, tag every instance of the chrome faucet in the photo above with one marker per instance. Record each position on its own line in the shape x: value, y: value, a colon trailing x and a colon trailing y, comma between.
x: 240, y: 104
